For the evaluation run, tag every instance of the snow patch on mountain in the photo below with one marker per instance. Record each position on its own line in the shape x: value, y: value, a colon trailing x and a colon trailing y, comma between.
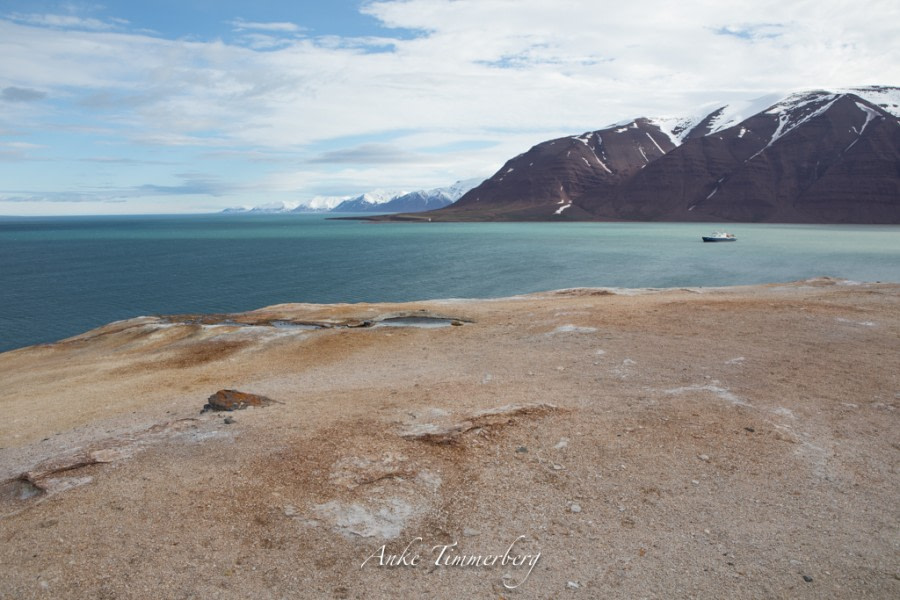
x: 714, y: 116
x: 871, y: 115
x: 795, y: 110
x: 661, y: 151
x: 804, y: 105
x: 675, y: 128
x: 885, y: 97
x: 719, y: 116
x: 733, y: 113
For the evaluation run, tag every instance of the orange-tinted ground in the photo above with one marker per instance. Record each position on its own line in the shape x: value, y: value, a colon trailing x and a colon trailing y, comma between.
x: 707, y: 443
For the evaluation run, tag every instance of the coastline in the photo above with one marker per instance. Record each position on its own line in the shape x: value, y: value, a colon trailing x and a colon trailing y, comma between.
x: 705, y: 441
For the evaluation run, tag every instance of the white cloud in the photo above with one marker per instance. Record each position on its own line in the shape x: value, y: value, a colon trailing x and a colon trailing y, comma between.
x: 283, y: 27
x: 67, y: 21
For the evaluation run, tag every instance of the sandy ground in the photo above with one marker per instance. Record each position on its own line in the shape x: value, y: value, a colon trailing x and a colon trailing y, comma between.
x: 705, y: 443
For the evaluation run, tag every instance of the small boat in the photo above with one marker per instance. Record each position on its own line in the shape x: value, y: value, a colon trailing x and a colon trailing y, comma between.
x: 720, y: 236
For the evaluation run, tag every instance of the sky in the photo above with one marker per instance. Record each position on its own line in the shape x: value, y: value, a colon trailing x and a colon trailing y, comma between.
x: 164, y: 106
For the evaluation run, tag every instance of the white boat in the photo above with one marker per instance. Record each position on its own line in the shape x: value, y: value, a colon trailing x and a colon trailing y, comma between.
x: 720, y: 236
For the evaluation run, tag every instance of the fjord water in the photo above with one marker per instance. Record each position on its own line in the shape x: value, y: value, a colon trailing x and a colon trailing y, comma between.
x: 62, y: 276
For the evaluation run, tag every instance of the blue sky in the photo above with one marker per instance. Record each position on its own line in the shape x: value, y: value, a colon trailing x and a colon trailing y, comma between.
x: 210, y: 19
x: 197, y: 105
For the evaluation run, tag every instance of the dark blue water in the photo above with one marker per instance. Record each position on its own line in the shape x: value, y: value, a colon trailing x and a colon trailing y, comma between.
x: 62, y: 276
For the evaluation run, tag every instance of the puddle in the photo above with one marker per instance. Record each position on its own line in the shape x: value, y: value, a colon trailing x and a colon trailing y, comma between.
x: 215, y: 321
x: 285, y: 325
x: 573, y: 329
x: 292, y: 325
x: 421, y: 322
x: 226, y: 323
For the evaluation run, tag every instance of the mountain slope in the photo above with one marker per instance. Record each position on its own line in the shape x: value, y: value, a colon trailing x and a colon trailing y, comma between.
x: 546, y: 180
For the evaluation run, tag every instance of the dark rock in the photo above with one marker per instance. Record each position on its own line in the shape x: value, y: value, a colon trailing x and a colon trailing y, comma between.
x: 20, y: 488
x: 234, y: 400
x: 807, y: 579
x: 229, y: 420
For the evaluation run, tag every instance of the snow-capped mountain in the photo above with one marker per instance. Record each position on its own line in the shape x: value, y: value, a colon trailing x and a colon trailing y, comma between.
x: 382, y: 201
x: 268, y: 208
x: 320, y: 204
x: 817, y: 157
x: 368, y: 201
x: 420, y: 200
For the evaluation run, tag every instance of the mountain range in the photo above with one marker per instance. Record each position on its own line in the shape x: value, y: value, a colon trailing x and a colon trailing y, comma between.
x: 811, y: 157
x: 379, y: 201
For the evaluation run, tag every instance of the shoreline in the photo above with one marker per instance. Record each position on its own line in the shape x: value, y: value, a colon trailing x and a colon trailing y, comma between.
x: 616, y: 290
x: 424, y: 217
x: 666, y: 442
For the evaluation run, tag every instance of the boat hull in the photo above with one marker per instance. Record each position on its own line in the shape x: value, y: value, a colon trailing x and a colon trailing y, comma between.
x: 715, y: 239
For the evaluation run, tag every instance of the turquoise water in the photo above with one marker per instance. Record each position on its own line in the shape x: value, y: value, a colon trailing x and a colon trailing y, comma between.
x: 63, y: 276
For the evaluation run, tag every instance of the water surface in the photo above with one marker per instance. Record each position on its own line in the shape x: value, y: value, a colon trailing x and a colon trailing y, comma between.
x: 62, y: 276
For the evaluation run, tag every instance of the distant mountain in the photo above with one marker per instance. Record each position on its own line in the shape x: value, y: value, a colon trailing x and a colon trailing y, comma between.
x: 270, y: 208
x: 367, y: 202
x: 410, y: 202
x: 811, y: 157
x: 379, y: 201
x: 416, y: 202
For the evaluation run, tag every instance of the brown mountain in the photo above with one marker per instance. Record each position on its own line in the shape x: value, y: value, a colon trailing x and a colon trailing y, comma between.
x: 814, y: 157
x: 549, y: 179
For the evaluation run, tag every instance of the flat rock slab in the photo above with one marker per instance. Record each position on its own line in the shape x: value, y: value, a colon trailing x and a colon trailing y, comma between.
x: 230, y: 400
